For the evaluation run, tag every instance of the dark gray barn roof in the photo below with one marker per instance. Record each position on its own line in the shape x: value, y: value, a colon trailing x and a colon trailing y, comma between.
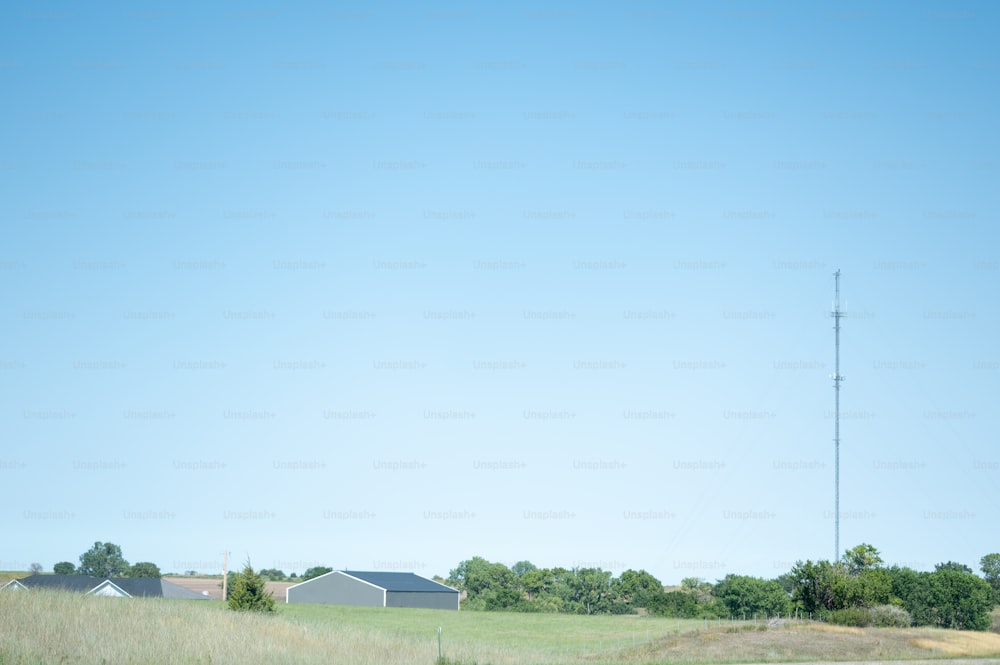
x: 399, y: 581
x: 83, y: 583
x: 149, y: 587
x: 137, y: 587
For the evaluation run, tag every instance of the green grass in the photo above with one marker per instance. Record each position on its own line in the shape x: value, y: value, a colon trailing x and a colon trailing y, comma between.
x: 53, y: 627
x: 502, y: 637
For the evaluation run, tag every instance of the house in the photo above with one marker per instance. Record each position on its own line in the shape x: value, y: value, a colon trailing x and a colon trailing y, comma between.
x: 374, y: 589
x: 118, y: 587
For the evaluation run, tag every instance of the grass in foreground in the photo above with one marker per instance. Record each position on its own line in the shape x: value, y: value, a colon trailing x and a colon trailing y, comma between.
x: 54, y: 627
x: 815, y: 642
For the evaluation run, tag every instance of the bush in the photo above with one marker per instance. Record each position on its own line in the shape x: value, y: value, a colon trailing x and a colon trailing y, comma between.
x: 890, y: 616
x: 248, y: 594
x: 850, y: 616
x: 881, y: 616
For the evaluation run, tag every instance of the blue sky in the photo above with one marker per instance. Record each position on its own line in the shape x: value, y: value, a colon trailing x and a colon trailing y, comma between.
x: 391, y: 287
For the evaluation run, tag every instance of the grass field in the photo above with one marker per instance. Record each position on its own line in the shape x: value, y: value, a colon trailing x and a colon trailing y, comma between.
x: 52, y: 627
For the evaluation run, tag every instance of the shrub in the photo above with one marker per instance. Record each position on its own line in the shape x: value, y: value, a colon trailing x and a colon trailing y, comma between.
x: 890, y: 616
x: 881, y: 616
x: 850, y: 616
x: 248, y: 594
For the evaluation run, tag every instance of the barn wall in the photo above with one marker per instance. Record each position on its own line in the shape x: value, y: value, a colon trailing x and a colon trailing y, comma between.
x: 336, y: 589
x: 434, y: 601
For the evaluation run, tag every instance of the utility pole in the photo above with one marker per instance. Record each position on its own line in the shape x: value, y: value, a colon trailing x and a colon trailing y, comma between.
x: 837, y: 378
x: 225, y: 574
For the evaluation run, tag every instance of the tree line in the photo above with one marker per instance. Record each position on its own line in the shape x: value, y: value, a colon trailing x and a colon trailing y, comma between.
x: 105, y: 560
x: 858, y: 590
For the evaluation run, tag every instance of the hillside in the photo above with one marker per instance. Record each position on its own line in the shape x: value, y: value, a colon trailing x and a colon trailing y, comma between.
x: 44, y: 627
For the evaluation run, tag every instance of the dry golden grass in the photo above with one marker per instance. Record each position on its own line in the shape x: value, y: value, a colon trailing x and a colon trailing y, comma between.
x: 808, y: 642
x: 7, y: 576
x: 961, y: 644
x: 830, y: 628
x: 55, y: 627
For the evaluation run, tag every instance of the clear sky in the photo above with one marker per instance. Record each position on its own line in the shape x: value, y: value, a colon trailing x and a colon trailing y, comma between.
x: 391, y: 286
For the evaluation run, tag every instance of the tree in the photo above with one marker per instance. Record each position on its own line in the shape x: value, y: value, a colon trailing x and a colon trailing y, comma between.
x: 145, y: 569
x: 904, y: 581
x: 521, y: 567
x: 504, y: 598
x: 868, y: 588
x: 590, y: 590
x: 691, y: 583
x: 676, y: 604
x: 990, y: 565
x: 274, y: 574
x: 814, y: 586
x: 745, y: 596
x: 103, y: 560
x: 949, y: 599
x: 468, y: 570
x: 787, y: 582
x: 64, y: 568
x: 857, y: 580
x: 316, y: 571
x: 639, y: 588
x: 248, y: 592
x: 860, y: 558
x: 537, y: 582
x: 477, y: 577
x: 953, y: 565
x: 699, y: 588
x: 36, y: 568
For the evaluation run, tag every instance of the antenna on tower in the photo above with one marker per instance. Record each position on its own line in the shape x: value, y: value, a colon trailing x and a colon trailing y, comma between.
x: 837, y: 378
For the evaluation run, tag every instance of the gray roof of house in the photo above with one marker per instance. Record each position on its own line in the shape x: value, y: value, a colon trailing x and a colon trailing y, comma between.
x: 171, y: 590
x: 151, y: 587
x: 400, y: 581
x: 138, y: 587
x: 81, y: 583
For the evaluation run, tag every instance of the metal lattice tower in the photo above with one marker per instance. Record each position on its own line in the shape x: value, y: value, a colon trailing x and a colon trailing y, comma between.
x: 837, y: 378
